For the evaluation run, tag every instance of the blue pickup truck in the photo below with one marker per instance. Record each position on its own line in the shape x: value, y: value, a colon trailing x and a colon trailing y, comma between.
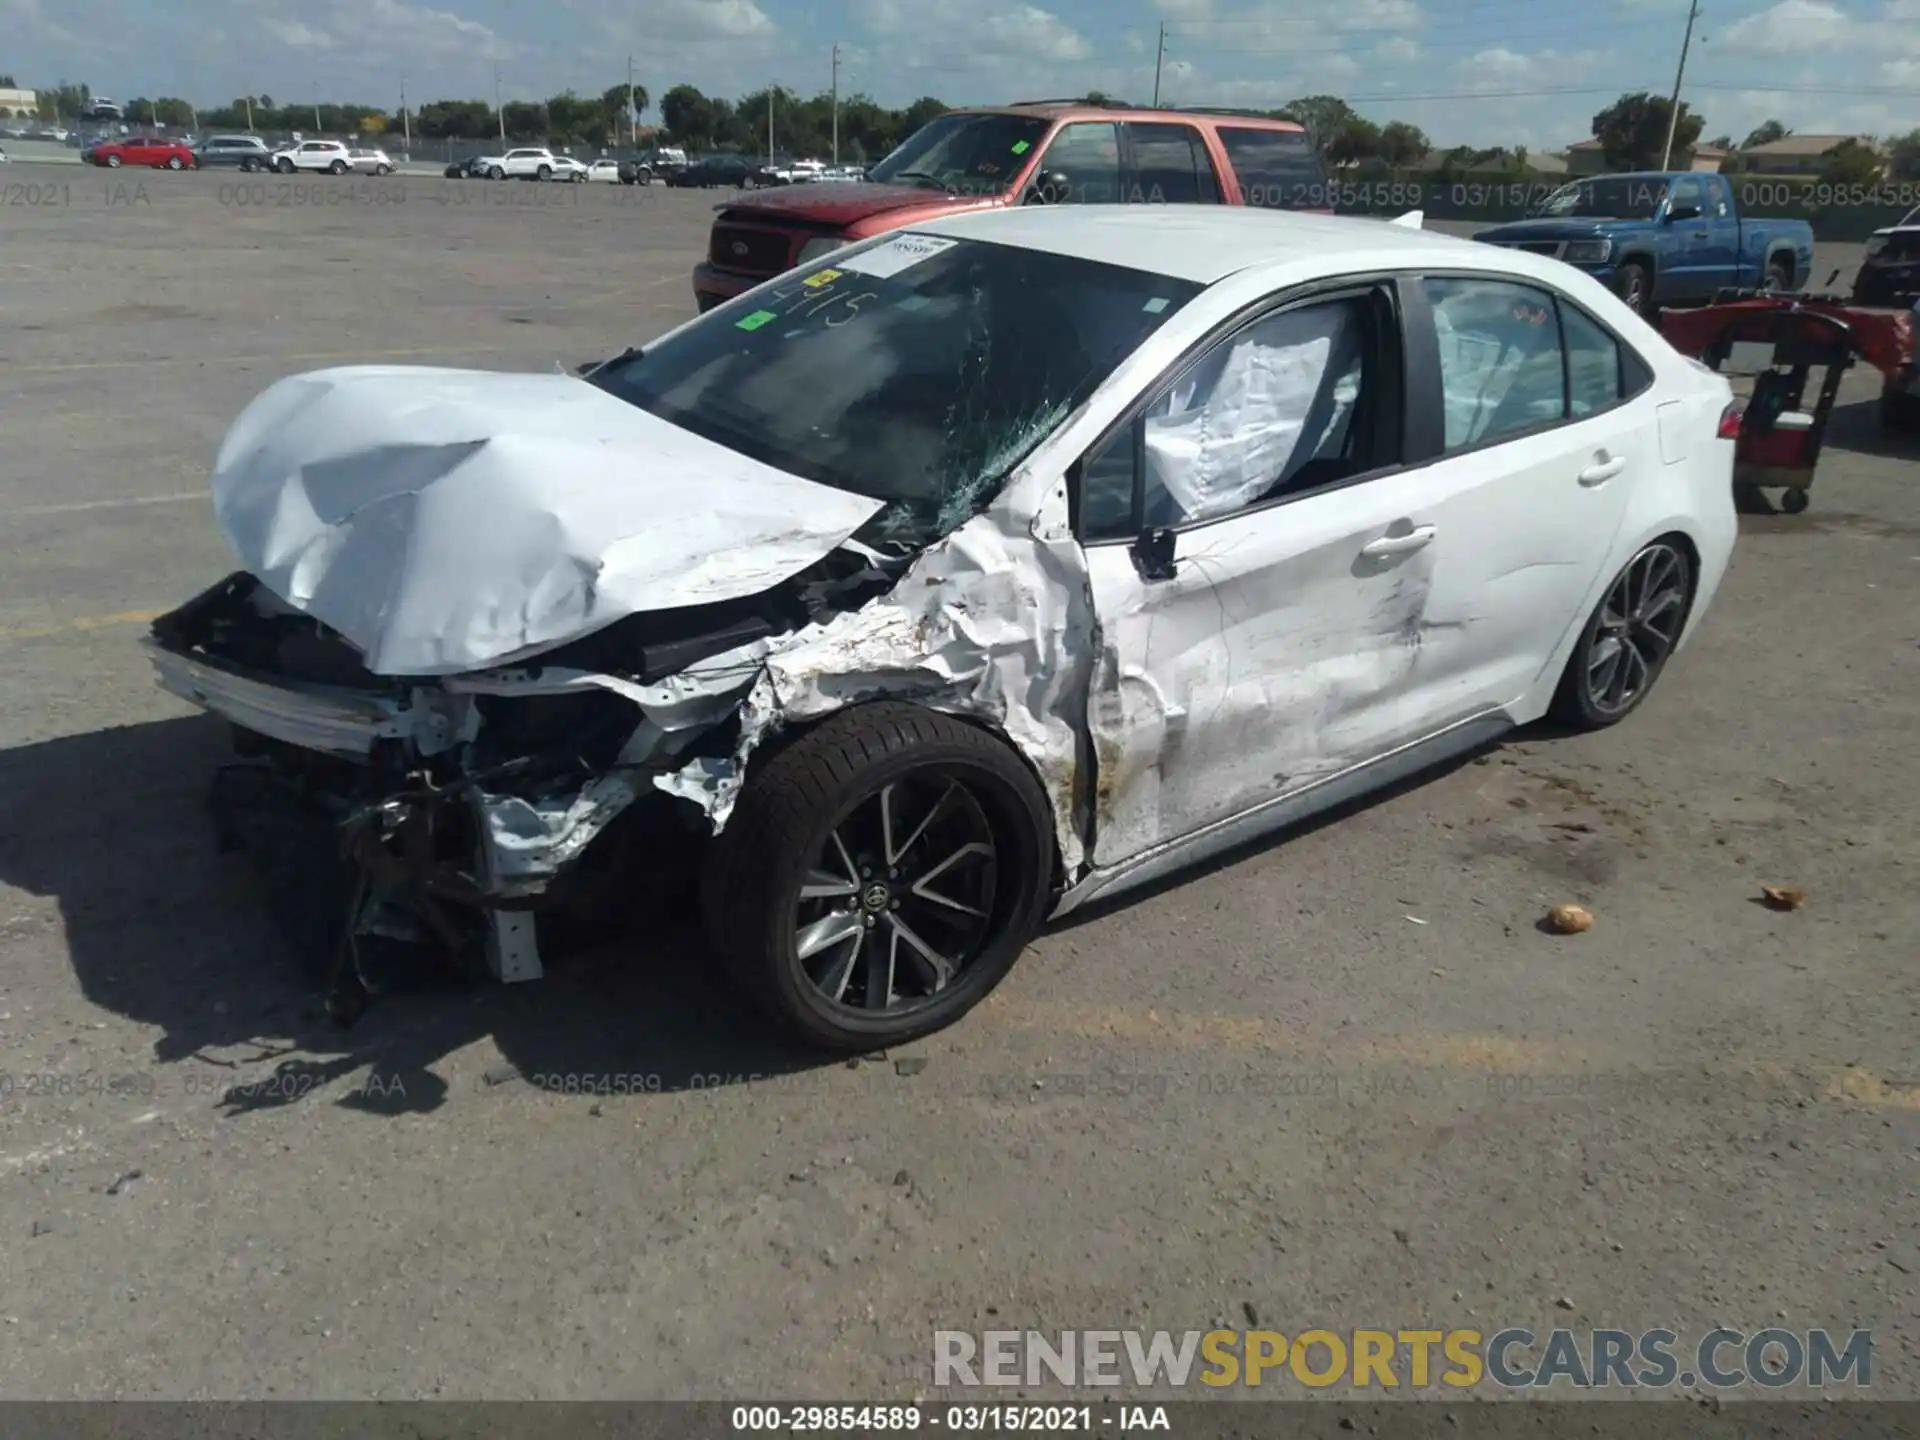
x: 1662, y: 238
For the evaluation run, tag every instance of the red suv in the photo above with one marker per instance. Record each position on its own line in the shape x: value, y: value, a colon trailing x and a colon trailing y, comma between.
x: 1042, y: 152
x: 150, y: 150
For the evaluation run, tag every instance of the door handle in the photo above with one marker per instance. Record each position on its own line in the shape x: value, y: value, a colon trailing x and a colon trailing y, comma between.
x: 1602, y: 471
x: 1399, y: 544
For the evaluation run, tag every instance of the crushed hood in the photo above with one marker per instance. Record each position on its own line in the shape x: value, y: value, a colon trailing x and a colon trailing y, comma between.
x: 449, y: 520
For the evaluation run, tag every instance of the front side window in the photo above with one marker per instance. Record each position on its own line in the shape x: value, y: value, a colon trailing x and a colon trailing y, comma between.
x: 964, y: 154
x: 1171, y: 166
x: 1082, y: 165
x: 919, y: 370
x: 1688, y: 194
x: 1292, y: 402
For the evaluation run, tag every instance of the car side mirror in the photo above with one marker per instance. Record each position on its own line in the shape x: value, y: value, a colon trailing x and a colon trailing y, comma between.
x: 1152, y: 554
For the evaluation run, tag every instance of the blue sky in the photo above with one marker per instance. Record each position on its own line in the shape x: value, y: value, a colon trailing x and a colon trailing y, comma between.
x: 1478, y: 72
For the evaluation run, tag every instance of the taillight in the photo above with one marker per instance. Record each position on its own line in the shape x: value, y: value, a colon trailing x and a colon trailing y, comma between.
x: 1730, y: 421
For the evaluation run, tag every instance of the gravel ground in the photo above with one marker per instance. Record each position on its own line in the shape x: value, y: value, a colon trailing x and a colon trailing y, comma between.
x: 1341, y: 1080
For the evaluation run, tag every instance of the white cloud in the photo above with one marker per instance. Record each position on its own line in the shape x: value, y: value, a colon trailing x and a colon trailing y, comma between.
x: 1792, y: 27
x: 1031, y: 31
x: 294, y: 35
x: 1400, y: 50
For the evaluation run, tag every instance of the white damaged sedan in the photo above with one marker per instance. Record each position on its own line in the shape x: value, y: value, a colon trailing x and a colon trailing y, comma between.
x: 939, y: 587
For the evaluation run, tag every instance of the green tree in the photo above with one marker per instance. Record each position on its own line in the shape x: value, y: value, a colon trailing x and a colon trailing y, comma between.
x: 7, y: 82
x: 1903, y: 156
x: 1633, y: 131
x: 1325, y: 115
x: 691, y: 118
x: 1850, y: 163
x: 1765, y: 134
x: 1353, y: 142
x: 1402, y: 144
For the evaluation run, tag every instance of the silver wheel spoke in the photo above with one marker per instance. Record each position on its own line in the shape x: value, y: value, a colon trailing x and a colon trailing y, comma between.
x: 833, y: 984
x: 820, y: 885
x: 942, y: 969
x: 894, y: 855
x: 1659, y: 605
x: 921, y: 887
x: 828, y: 930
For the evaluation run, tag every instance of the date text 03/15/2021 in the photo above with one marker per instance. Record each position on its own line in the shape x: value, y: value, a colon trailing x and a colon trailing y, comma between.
x: 953, y: 1419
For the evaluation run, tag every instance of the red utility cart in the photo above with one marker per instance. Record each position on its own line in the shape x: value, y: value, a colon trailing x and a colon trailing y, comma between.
x: 1780, y: 433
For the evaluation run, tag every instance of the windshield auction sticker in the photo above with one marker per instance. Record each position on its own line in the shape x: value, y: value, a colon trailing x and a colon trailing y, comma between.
x: 899, y: 253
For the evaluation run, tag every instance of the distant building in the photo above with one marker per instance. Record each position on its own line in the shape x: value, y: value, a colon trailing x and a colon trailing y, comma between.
x: 1589, y: 157
x: 20, y: 102
x: 1793, y: 155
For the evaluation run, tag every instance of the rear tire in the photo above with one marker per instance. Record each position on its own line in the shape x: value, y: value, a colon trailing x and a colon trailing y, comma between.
x: 1779, y: 278
x: 113, y: 162
x: 888, y: 956
x: 338, y: 167
x: 174, y: 163
x: 1628, y: 639
x: 1794, y: 502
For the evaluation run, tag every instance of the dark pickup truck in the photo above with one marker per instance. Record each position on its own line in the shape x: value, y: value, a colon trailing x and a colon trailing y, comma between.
x: 1663, y: 238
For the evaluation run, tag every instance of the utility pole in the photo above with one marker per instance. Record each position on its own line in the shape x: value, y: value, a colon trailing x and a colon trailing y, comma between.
x: 1158, y: 60
x: 769, y: 122
x: 497, y: 110
x: 316, y: 107
x: 1673, y: 116
x: 836, y: 104
x: 249, y: 105
x: 633, y: 115
x: 406, y: 124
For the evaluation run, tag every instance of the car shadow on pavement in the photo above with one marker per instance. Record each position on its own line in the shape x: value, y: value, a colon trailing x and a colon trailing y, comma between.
x: 162, y: 929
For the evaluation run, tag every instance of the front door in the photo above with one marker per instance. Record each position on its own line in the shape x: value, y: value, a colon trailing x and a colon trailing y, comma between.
x: 1280, y: 645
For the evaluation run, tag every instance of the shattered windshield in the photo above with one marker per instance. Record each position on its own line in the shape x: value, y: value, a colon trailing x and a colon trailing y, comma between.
x: 964, y: 154
x: 918, y: 371
x: 1617, y: 197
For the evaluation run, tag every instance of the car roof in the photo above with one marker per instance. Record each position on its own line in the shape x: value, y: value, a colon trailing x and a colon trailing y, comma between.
x: 1082, y: 110
x: 1205, y: 244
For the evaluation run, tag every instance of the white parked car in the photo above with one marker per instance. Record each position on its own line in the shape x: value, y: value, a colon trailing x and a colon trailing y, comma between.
x: 604, y: 169
x: 535, y: 164
x: 1252, y: 513
x: 330, y: 156
x: 370, y: 161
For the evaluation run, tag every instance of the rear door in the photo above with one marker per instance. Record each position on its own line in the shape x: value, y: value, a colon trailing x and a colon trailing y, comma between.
x: 1167, y: 163
x: 1274, y: 168
x: 1546, y: 422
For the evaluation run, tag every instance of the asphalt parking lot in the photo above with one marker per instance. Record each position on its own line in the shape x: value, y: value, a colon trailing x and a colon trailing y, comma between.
x: 1342, y: 1080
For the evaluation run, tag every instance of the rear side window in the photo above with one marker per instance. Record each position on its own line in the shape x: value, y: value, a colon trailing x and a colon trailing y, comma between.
x: 1278, y: 169
x: 1514, y: 358
x: 1171, y: 166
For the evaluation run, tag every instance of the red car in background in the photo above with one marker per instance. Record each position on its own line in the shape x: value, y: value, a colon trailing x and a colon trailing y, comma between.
x: 153, y: 151
x: 1041, y: 152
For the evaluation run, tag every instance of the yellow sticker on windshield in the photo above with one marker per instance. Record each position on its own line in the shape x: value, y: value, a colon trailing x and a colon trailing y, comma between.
x: 825, y: 277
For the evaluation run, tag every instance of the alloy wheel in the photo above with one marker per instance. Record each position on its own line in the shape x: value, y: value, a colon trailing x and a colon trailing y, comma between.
x: 1639, y: 624
x: 900, y: 899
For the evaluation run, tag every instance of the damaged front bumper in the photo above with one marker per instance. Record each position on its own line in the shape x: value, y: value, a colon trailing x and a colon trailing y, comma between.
x: 461, y: 804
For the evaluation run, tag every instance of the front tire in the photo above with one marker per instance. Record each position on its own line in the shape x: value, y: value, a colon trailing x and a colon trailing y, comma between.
x: 496, y: 173
x: 285, y: 167
x: 1633, y: 283
x: 879, y: 877
x: 1628, y: 639
x: 174, y: 163
x: 113, y: 162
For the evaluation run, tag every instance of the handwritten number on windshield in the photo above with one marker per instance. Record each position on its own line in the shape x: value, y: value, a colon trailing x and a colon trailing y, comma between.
x: 821, y: 300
